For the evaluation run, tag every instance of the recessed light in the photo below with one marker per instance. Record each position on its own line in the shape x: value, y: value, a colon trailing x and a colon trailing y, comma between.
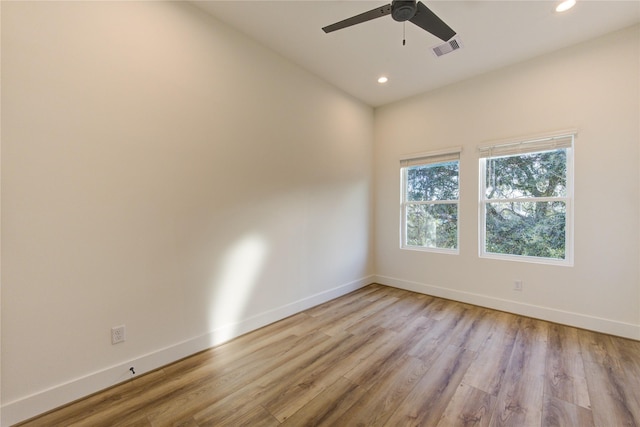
x: 565, y: 5
x: 382, y: 79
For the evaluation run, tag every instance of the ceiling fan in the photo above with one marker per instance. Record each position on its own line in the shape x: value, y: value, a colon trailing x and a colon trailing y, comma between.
x: 401, y: 11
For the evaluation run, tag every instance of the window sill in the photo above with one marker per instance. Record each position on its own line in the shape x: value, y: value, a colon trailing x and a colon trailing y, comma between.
x: 433, y: 250
x: 528, y: 259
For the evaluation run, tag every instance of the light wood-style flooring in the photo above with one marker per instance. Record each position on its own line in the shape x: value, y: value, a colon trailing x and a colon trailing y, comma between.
x: 385, y: 357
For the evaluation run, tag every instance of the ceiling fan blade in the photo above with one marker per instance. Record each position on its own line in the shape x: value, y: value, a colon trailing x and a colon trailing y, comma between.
x: 429, y: 21
x: 363, y: 17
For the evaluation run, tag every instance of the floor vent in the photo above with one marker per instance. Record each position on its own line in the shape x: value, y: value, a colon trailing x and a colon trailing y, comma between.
x: 448, y: 47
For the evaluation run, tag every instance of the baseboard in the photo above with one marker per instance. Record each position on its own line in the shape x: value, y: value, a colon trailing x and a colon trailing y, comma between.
x: 607, y: 326
x: 62, y: 394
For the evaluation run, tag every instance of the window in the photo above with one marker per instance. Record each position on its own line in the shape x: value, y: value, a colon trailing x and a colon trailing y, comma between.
x: 526, y: 200
x: 430, y: 193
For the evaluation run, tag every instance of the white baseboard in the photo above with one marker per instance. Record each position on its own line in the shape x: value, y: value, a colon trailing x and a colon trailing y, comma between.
x: 607, y: 326
x: 46, y: 400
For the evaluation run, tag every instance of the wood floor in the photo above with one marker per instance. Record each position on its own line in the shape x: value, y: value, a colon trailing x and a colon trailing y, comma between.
x: 385, y: 357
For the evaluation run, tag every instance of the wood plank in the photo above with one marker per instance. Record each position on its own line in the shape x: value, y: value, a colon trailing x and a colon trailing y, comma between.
x: 487, y: 371
x: 627, y: 352
x: 614, y: 399
x: 473, y: 329
x: 368, y: 294
x: 599, y: 348
x: 428, y: 400
x: 385, y: 392
x: 519, y: 401
x: 558, y: 413
x: 326, y: 408
x: 565, y: 378
x: 287, y: 397
x: 402, y: 311
x: 252, y: 415
x: 242, y: 398
x: 345, y: 322
x: 439, y: 331
x: 388, y: 353
x: 187, y: 422
x: 612, y: 402
x: 190, y: 393
x: 468, y: 407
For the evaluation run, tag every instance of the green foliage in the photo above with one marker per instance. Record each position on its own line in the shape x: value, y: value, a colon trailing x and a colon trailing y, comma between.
x: 433, y: 226
x: 428, y: 224
x: 530, y: 229
x: 433, y: 182
x: 516, y: 223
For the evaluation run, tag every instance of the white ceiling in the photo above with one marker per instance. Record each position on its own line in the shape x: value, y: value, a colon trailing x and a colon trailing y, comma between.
x: 494, y: 34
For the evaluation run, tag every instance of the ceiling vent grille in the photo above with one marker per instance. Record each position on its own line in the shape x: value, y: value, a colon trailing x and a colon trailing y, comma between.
x: 448, y: 47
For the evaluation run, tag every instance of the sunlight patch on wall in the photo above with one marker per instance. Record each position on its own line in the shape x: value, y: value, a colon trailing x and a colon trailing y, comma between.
x: 240, y: 270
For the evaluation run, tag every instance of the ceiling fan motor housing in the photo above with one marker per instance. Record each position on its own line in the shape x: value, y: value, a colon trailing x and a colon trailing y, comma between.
x: 402, y: 10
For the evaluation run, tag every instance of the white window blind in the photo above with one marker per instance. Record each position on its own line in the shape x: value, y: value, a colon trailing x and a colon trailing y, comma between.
x: 511, y: 148
x: 433, y: 157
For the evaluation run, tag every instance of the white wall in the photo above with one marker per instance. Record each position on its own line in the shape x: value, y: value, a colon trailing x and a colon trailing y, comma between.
x: 162, y: 171
x: 593, y: 87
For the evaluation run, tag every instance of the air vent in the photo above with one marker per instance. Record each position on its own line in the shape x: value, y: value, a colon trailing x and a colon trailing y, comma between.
x: 448, y: 47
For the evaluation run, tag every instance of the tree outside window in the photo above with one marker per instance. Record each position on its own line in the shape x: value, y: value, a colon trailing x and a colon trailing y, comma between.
x: 430, y: 202
x: 526, y: 201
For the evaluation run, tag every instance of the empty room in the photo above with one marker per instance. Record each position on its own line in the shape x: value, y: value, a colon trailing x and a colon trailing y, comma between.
x: 341, y: 213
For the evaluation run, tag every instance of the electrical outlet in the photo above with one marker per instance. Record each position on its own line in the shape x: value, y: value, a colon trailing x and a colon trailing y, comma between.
x: 117, y: 334
x: 517, y: 285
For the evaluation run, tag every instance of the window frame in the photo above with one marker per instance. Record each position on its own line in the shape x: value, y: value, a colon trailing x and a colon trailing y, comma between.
x: 561, y: 140
x: 422, y: 159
